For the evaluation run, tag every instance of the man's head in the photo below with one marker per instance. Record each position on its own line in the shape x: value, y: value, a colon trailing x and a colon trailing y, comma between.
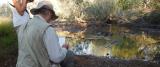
x: 45, y: 9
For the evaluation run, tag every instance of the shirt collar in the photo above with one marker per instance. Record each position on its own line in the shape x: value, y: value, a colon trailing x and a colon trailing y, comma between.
x: 42, y: 18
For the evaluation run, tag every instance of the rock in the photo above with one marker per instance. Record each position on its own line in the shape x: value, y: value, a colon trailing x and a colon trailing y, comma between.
x: 93, y: 61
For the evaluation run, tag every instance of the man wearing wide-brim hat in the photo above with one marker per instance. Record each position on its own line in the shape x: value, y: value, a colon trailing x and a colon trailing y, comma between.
x: 38, y: 41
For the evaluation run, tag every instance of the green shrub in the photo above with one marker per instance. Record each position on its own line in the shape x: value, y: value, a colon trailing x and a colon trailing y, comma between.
x: 8, y: 43
x: 101, y: 9
x: 7, y: 34
x: 86, y: 9
x: 155, y: 4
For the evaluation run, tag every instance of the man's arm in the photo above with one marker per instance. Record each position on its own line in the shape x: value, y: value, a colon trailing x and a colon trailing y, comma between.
x: 55, y: 51
x: 20, y: 7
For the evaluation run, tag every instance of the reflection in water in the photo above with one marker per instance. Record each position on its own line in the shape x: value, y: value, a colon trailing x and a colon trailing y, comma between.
x: 98, y: 47
x: 122, y: 44
x: 83, y: 48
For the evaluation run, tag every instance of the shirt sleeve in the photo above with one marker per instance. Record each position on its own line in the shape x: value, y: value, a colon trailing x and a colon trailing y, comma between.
x: 55, y: 51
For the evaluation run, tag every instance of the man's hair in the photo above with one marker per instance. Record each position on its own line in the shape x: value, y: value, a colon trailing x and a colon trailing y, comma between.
x: 30, y: 0
x: 43, y: 11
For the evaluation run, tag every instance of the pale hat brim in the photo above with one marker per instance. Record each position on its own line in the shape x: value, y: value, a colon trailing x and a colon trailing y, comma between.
x: 36, y: 10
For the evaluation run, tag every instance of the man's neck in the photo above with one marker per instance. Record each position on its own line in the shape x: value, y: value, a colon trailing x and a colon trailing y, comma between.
x: 42, y: 17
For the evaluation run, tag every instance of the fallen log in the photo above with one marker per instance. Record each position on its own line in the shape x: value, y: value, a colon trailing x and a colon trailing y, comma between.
x: 93, y: 61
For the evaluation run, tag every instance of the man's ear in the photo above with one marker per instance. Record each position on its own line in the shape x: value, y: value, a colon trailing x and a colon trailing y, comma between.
x: 50, y: 14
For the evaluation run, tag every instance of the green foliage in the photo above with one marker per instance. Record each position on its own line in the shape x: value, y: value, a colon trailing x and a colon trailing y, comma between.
x: 86, y: 9
x: 128, y: 4
x: 126, y: 49
x: 73, y: 42
x: 124, y: 4
x: 126, y: 43
x: 8, y: 42
x: 7, y: 34
x: 155, y: 4
x: 135, y: 46
x: 100, y: 42
x: 103, y: 9
x: 99, y: 10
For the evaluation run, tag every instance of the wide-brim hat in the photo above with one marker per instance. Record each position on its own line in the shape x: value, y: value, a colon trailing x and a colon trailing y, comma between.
x: 47, y: 4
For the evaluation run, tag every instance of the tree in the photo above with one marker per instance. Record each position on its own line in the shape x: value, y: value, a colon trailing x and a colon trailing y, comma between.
x: 5, y: 11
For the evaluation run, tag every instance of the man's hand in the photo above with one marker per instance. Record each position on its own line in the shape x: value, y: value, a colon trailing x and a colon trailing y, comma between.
x: 20, y: 7
x: 66, y: 46
x: 14, y: 1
